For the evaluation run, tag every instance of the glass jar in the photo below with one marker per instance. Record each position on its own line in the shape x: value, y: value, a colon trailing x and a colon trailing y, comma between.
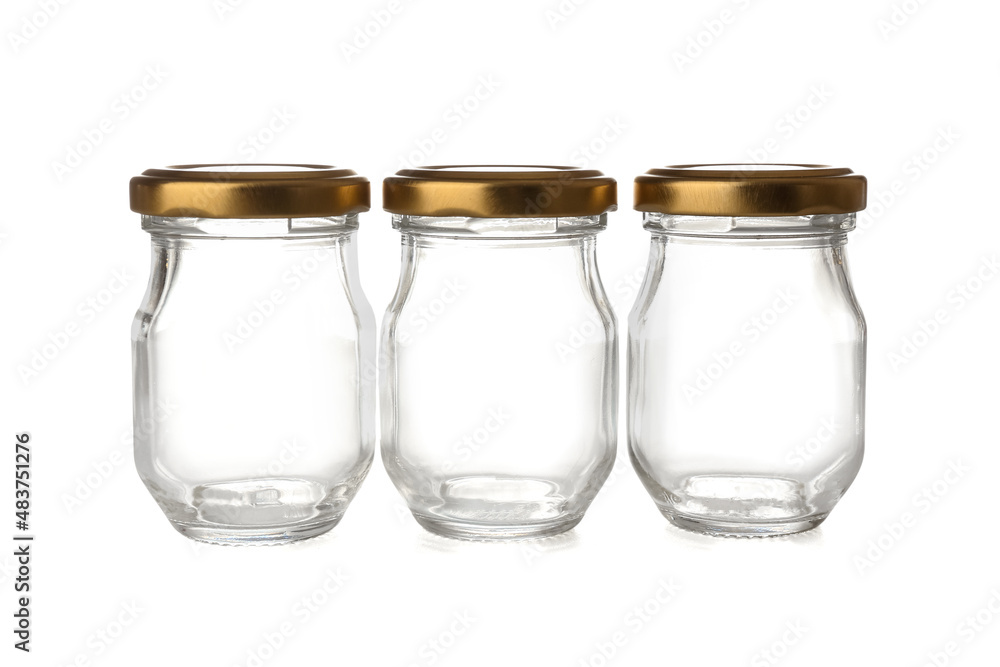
x: 499, y: 350
x: 746, y: 348
x: 253, y: 420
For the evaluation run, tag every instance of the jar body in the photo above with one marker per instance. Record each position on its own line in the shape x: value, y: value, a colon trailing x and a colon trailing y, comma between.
x: 253, y: 417
x: 746, y: 371
x: 499, y: 383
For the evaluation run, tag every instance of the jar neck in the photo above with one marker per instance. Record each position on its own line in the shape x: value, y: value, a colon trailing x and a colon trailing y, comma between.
x: 801, y: 230
x: 249, y: 228
x: 708, y: 270
x: 510, y: 265
x: 475, y: 229
x: 493, y: 272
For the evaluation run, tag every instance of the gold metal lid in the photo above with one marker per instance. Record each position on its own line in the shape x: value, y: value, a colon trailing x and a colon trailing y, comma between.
x: 750, y: 190
x: 249, y: 191
x: 499, y: 191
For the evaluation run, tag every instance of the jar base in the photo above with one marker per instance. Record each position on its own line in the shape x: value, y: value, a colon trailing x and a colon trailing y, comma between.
x: 254, y: 535
x: 497, y: 508
x: 485, y: 532
x: 733, y: 505
x: 257, y: 511
x: 716, y: 528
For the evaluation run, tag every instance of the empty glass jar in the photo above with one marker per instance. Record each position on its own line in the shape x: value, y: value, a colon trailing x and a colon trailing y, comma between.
x: 499, y: 377
x: 746, y: 350
x: 254, y: 417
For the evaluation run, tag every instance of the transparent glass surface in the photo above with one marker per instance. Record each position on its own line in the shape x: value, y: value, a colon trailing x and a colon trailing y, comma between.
x: 253, y: 418
x: 746, y: 372
x: 499, y: 376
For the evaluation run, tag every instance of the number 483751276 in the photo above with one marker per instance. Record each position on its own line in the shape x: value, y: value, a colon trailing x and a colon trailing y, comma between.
x: 22, y: 480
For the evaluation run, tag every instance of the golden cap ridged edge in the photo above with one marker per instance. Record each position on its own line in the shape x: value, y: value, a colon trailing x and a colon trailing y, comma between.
x: 474, y: 191
x: 196, y: 191
x: 804, y: 189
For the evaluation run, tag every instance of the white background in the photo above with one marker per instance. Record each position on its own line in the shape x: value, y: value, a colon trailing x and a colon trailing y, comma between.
x: 858, y: 589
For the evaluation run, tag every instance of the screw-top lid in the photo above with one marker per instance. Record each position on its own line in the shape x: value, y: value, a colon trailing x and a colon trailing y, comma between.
x: 499, y: 191
x: 750, y: 190
x: 249, y: 191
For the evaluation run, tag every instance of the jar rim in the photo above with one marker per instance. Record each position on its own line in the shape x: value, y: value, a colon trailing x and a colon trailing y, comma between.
x: 500, y: 229
x: 750, y: 190
x: 499, y: 191
x: 245, y: 190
